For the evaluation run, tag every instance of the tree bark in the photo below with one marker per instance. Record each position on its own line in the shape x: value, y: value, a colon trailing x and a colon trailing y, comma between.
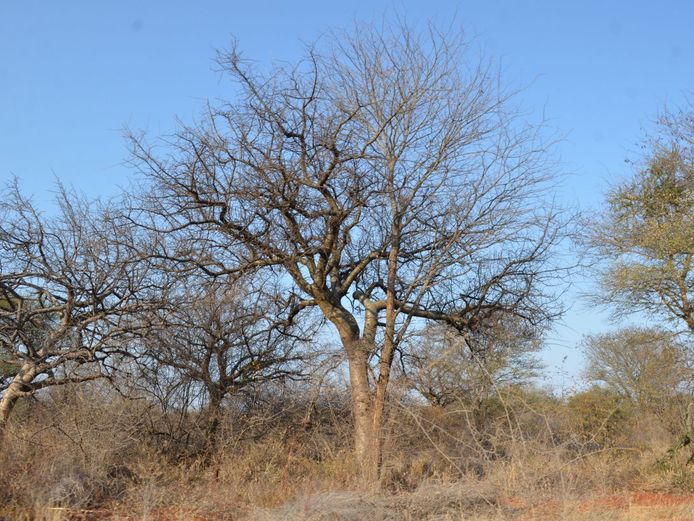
x: 7, y: 403
x: 12, y: 394
x: 388, y: 352
x: 212, y: 423
x: 365, y: 437
x: 357, y: 350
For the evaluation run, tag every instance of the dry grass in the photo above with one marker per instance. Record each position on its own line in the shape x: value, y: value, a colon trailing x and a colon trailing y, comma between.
x: 76, y: 455
x: 431, y: 503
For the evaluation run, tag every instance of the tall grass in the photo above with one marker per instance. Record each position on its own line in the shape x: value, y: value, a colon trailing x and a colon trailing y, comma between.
x: 90, y: 452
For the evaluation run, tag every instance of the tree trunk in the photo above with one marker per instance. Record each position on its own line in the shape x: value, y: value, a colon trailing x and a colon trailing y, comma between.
x: 365, y: 438
x: 357, y: 350
x: 7, y: 403
x: 212, y: 423
x: 13, y: 392
x: 367, y: 405
x: 388, y: 352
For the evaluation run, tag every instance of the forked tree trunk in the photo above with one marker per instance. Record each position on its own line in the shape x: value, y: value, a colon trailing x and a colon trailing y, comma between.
x: 365, y: 438
x: 368, y: 411
x: 368, y: 404
x: 369, y: 414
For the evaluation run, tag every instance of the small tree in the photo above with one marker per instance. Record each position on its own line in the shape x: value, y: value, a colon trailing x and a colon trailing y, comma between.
x: 646, y: 233
x: 224, y: 339
x: 387, y: 181
x: 646, y: 366
x: 71, y: 286
x: 598, y: 417
x: 445, y: 366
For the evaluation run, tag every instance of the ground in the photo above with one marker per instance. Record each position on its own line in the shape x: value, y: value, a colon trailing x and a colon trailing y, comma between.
x: 440, y: 504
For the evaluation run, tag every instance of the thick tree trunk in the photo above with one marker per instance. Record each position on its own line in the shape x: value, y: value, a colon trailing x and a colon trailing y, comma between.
x: 12, y: 394
x: 365, y: 437
x: 377, y: 421
x: 7, y: 403
x: 357, y: 349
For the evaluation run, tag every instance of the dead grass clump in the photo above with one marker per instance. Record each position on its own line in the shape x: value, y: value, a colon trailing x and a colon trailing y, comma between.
x: 69, y: 450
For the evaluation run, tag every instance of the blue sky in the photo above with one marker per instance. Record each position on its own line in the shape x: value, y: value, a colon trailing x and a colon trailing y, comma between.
x: 74, y: 73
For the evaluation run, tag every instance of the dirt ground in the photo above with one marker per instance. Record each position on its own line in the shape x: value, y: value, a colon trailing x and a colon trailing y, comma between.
x: 629, y: 506
x: 440, y: 505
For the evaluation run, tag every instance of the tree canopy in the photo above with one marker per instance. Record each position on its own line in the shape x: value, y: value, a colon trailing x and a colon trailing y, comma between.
x: 646, y: 233
x: 385, y: 179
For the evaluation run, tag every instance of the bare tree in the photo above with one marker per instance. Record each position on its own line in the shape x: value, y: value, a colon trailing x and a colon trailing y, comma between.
x: 224, y: 339
x: 71, y: 286
x: 647, y: 366
x: 446, y: 366
x: 389, y: 183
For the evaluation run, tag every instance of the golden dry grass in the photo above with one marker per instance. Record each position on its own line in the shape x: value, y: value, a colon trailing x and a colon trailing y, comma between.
x: 84, y: 460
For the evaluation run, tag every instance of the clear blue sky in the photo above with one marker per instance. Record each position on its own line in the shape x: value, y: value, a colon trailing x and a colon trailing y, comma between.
x: 74, y: 73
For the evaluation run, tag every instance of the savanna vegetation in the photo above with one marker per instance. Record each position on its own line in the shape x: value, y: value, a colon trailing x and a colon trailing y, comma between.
x: 326, y: 298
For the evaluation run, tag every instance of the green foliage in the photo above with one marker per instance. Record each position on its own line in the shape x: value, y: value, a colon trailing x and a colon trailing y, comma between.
x: 655, y: 210
x: 7, y: 369
x: 646, y: 234
x: 598, y: 416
